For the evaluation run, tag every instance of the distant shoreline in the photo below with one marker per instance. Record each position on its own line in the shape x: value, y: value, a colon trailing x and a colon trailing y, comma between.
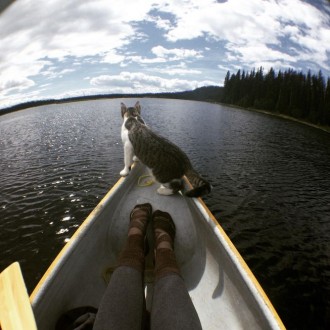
x: 279, y: 115
x: 208, y: 94
x: 32, y: 104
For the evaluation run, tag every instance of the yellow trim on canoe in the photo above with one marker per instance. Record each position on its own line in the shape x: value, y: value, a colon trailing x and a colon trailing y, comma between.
x: 211, y: 216
x: 72, y: 240
x: 244, y: 265
x: 241, y: 261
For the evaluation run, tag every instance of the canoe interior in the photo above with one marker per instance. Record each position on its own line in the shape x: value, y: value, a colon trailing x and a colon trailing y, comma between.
x: 78, y: 276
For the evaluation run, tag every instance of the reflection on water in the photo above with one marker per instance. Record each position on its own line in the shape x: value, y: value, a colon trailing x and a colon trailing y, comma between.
x: 271, y: 193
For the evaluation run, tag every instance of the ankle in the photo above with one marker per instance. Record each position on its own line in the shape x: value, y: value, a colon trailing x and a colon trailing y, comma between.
x: 135, y: 231
x: 135, y: 241
x: 132, y: 254
x: 165, y: 263
x: 139, y: 219
x: 164, y: 230
x: 163, y: 240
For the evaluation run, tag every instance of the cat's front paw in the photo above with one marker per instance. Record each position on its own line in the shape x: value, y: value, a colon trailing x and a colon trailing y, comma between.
x: 135, y: 159
x: 124, y: 172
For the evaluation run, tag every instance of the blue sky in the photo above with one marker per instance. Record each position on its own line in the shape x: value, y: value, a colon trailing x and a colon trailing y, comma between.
x: 61, y: 48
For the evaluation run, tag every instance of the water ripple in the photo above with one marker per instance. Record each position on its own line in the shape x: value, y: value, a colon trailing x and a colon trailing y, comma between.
x: 270, y: 181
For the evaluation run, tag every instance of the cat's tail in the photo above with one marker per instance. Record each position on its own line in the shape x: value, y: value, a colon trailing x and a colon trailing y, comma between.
x: 200, y: 186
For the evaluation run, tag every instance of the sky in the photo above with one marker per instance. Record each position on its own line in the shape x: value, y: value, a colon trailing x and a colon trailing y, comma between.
x: 60, y: 48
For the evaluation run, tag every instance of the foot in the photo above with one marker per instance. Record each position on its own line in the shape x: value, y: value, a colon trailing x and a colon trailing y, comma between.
x: 139, y: 219
x: 164, y: 230
x: 165, y: 260
x: 135, y: 159
x: 164, y: 191
x: 124, y: 172
x: 133, y: 253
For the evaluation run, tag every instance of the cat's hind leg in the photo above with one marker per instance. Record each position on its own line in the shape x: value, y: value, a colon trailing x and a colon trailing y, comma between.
x: 165, y: 190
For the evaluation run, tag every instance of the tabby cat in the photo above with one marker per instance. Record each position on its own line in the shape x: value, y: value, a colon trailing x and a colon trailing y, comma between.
x: 167, y: 162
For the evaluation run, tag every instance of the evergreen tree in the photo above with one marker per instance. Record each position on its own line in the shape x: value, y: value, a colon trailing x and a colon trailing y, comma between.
x: 291, y: 93
x: 327, y: 104
x: 271, y: 92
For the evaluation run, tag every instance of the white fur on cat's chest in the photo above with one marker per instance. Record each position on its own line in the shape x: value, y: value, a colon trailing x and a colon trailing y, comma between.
x: 128, y: 147
x: 124, y: 133
x: 128, y: 150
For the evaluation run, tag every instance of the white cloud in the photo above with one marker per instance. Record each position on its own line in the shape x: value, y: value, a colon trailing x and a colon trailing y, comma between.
x: 21, y: 95
x: 179, y: 71
x: 138, y: 82
x: 31, y: 31
x: 161, y: 23
x: 259, y: 53
x: 42, y: 41
x: 18, y: 69
x: 77, y: 29
x: 16, y: 84
x: 175, y: 53
x: 144, y: 60
x: 113, y: 58
x: 164, y: 55
x: 53, y: 72
x: 245, y: 25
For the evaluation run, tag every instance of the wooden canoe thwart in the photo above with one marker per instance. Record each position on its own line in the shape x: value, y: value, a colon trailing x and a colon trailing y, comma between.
x: 224, y: 291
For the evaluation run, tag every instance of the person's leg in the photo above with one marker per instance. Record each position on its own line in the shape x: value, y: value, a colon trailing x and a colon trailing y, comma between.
x: 122, y: 304
x: 172, y: 307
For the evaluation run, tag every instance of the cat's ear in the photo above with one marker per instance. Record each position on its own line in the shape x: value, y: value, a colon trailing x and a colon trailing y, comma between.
x: 138, y: 107
x: 123, y: 109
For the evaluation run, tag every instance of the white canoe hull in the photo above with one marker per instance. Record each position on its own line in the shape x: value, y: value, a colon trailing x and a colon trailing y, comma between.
x: 224, y: 292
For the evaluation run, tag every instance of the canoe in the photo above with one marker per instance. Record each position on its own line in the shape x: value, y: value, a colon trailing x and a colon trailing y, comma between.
x: 224, y: 291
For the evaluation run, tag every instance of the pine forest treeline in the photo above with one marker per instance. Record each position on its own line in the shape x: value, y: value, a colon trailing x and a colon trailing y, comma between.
x: 291, y: 93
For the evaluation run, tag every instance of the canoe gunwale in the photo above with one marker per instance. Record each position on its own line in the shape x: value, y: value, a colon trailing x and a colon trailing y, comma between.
x: 66, y: 251
x: 250, y: 280
x: 241, y: 266
x: 251, y: 284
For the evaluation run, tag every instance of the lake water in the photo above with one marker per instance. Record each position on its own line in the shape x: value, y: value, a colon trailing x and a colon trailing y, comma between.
x: 271, y: 193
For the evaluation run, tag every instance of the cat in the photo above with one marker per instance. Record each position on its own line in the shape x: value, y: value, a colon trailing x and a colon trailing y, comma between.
x: 167, y: 161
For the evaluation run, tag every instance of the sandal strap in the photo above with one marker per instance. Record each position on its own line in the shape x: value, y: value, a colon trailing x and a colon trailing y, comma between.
x: 140, y: 216
x: 142, y: 209
x: 163, y: 221
x: 164, y: 237
x: 139, y: 223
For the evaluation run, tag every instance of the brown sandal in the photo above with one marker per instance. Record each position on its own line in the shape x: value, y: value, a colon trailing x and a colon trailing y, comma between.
x: 163, y: 221
x: 137, y: 245
x: 140, y: 216
x: 165, y: 263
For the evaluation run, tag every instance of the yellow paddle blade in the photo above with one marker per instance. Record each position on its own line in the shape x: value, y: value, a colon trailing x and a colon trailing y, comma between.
x: 15, y: 308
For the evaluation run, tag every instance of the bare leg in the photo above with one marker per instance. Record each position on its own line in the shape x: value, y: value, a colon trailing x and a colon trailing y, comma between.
x: 172, y: 307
